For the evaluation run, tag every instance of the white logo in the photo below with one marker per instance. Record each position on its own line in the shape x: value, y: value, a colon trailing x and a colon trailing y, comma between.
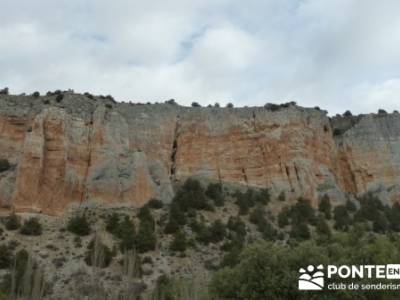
x: 312, y: 279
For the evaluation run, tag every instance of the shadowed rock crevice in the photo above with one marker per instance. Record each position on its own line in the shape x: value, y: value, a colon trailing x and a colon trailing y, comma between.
x: 174, y: 150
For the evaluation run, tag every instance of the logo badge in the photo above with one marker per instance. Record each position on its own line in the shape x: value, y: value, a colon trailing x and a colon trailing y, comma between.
x: 312, y: 278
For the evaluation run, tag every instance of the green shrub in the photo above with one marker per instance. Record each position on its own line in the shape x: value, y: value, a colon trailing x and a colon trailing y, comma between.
x: 176, y: 218
x: 341, y: 217
x: 217, y: 231
x: 214, y: 192
x: 31, y: 226
x: 302, y: 212
x: 192, y: 195
x: 126, y: 233
x: 123, y: 229
x: 214, y: 233
x: 236, y: 225
x: 155, y: 203
x: 245, y: 201
x: 282, y: 196
x: 112, y: 223
x: 232, y: 258
x: 98, y: 254
x: 145, y: 215
x: 145, y: 238
x: 370, y: 205
x: 244, y: 206
x: 171, y: 227
x: 323, y: 228
x: 59, y: 97
x: 262, y: 196
x: 393, y: 215
x: 6, y: 257
x: 19, y: 269
x: 300, y: 232
x: 179, y: 242
x: 380, y: 223
x: 257, y: 216
x: 79, y: 225
x: 4, y: 165
x: 12, y: 222
x: 325, y: 207
x: 284, y: 217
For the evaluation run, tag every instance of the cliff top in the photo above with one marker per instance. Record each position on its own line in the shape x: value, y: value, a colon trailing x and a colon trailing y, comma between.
x: 83, y: 106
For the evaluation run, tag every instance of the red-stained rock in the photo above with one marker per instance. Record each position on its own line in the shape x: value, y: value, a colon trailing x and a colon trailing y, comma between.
x: 84, y: 150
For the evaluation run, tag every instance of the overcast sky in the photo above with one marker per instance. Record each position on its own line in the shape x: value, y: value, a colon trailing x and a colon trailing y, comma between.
x: 337, y: 54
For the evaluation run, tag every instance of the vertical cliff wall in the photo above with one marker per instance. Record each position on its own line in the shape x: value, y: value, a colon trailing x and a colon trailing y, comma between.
x: 94, y: 150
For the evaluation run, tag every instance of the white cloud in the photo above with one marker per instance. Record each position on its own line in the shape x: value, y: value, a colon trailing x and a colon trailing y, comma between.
x: 337, y: 54
x: 384, y: 94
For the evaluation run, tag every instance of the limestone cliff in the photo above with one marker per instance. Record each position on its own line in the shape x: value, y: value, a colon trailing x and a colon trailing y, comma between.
x: 91, y: 149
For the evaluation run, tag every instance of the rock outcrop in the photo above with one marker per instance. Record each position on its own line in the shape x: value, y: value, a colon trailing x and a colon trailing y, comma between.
x: 91, y: 149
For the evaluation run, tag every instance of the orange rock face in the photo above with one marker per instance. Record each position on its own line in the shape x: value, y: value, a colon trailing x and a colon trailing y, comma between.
x: 84, y: 151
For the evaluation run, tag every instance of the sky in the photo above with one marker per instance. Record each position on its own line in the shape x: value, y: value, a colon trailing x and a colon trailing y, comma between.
x: 336, y: 54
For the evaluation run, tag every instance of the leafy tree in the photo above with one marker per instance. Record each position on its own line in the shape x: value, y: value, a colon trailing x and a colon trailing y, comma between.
x: 217, y: 231
x: 284, y: 217
x: 126, y: 233
x: 265, y: 271
x: 381, y: 223
x: 393, y: 215
x: 59, y: 97
x: 232, y: 258
x: 262, y: 196
x: 341, y: 217
x: 31, y: 226
x: 214, y: 192
x: 243, y: 206
x: 370, y: 205
x: 302, y: 212
x: 350, y: 206
x: 191, y: 195
x: 146, y: 238
x: 176, y: 219
x: 325, y: 207
x: 179, y: 243
x: 155, y: 203
x: 323, y: 228
x: 214, y: 233
x: 257, y: 216
x: 300, y: 232
x: 171, y: 227
x: 79, y: 225
x: 236, y: 225
x: 145, y: 216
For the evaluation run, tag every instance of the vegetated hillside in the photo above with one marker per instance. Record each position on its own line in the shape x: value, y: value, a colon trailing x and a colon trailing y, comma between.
x: 211, y: 242
x: 64, y: 148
